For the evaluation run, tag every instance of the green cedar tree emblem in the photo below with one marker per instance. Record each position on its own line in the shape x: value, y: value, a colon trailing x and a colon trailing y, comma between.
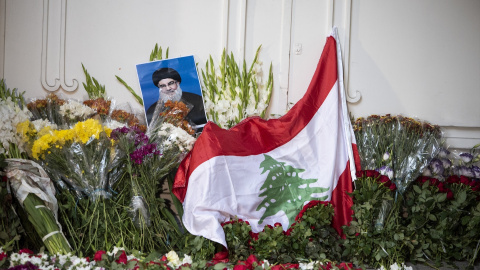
x: 282, y: 190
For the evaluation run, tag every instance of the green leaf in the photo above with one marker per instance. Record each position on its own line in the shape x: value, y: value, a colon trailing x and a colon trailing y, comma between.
x: 417, y: 189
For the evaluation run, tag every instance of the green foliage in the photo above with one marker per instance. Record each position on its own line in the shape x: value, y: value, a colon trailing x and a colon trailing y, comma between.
x: 130, y: 89
x: 375, y: 237
x: 444, y: 217
x: 94, y: 89
x: 311, y: 237
x: 15, y: 96
x: 11, y: 229
x: 157, y: 53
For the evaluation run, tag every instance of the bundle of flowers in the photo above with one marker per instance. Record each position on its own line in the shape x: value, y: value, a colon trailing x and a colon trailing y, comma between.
x: 12, y: 112
x: 396, y: 146
x: 47, y: 108
x: 145, y: 162
x: 233, y: 93
x: 375, y: 237
x: 27, y: 180
x: 448, y: 163
x: 444, y: 216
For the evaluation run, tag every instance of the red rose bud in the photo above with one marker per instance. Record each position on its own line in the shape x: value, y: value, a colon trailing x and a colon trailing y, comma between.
x: 253, y: 235
x: 252, y: 259
x: 240, y: 220
x: 277, y: 224
x: 269, y: 226
x: 164, y: 258
x: 464, y: 180
x: 372, y: 173
x: 383, y: 179
x: 449, y: 195
x: 240, y: 266
x: 246, y: 222
x: 392, y: 186
x: 453, y: 179
x: 433, y: 181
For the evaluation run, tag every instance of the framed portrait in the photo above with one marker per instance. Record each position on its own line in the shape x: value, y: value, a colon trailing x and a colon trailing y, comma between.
x: 173, y: 79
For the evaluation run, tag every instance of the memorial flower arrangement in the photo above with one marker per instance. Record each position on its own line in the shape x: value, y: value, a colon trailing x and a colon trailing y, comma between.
x: 26, y: 179
x: 233, y: 93
x: 397, y: 146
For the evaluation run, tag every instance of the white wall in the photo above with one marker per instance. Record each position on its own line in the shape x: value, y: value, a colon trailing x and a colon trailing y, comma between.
x: 416, y: 58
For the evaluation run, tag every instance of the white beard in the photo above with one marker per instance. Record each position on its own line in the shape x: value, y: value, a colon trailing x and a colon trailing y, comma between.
x: 175, y: 96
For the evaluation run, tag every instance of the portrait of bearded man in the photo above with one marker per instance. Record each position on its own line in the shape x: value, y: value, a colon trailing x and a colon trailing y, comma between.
x: 168, y: 81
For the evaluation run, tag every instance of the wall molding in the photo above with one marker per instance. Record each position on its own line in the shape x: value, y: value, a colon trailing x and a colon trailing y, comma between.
x: 60, y: 81
x: 351, y: 97
x: 3, y: 25
x: 461, y: 137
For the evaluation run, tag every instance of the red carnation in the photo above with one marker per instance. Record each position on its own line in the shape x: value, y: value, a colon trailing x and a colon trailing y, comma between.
x: 98, y: 255
x: 221, y: 256
x: 251, y: 259
x: 123, y: 258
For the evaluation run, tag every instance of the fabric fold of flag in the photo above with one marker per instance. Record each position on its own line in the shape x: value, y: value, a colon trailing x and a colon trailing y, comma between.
x: 265, y: 171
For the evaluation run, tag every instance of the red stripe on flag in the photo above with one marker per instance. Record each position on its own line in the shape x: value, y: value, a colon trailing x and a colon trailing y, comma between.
x: 342, y: 202
x: 254, y: 135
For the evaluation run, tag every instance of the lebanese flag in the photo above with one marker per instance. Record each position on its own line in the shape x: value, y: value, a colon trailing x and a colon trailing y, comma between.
x: 265, y: 171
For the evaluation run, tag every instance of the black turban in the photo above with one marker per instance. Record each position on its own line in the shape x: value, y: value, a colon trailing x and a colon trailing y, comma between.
x: 165, y: 73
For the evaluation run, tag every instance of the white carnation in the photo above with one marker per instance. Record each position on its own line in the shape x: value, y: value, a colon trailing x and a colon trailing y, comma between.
x: 75, y: 110
x: 173, y: 259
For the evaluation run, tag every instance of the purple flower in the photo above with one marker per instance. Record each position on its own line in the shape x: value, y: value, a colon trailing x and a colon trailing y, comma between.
x: 465, y: 171
x: 119, y: 131
x: 476, y: 171
x: 27, y: 266
x: 147, y: 150
x: 436, y: 165
x: 427, y: 172
x: 443, y: 153
x: 466, y: 157
x: 446, y: 163
x: 385, y: 170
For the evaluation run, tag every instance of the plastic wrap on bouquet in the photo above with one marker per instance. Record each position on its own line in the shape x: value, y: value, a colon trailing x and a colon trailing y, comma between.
x: 35, y: 192
x: 173, y: 112
x: 47, y: 108
x: 79, y: 156
x: 375, y: 137
x: 416, y: 144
